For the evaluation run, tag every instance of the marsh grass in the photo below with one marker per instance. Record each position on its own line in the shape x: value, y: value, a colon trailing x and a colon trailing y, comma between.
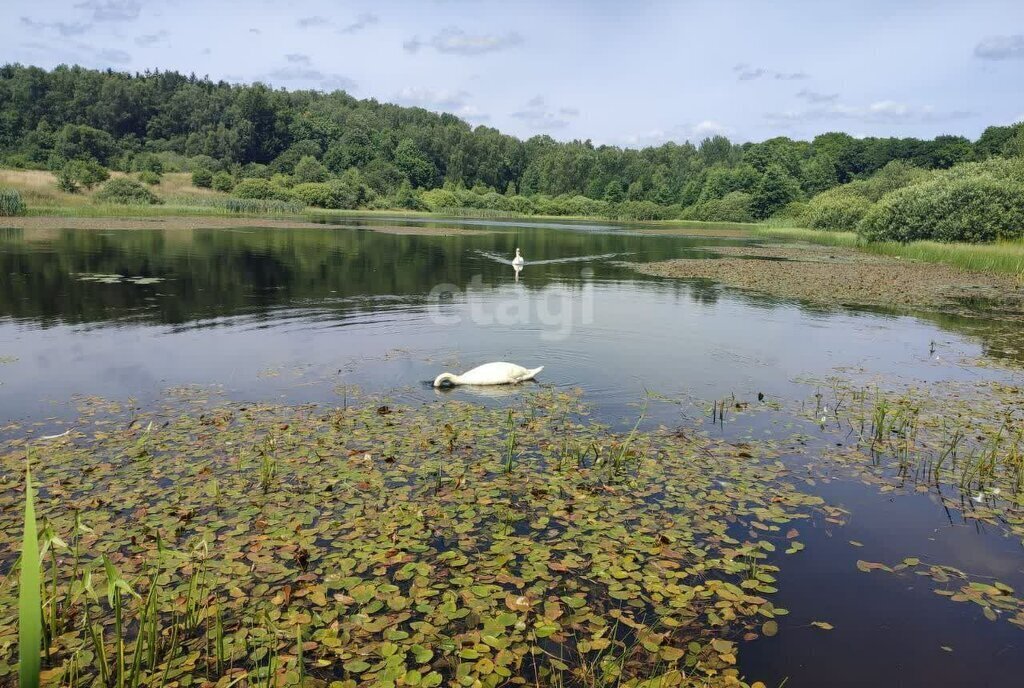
x: 1006, y: 257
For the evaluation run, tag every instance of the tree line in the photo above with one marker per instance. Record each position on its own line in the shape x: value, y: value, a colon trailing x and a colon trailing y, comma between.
x: 361, y: 150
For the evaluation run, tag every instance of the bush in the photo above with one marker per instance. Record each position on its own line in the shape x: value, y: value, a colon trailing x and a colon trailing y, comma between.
x: 262, y: 189
x: 11, y: 203
x: 81, y: 173
x: 796, y: 211
x: 337, y: 194
x: 643, y: 211
x: 202, y: 178
x: 222, y: 181
x: 733, y: 207
x: 147, y: 177
x: 147, y: 162
x: 836, y: 210
x: 437, y: 199
x: 972, y: 209
x: 126, y: 192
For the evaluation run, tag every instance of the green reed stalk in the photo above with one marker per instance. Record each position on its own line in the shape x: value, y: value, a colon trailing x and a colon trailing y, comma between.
x: 510, y: 443
x: 30, y: 620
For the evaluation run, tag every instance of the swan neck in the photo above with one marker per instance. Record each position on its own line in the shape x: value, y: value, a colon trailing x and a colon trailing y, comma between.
x: 443, y: 378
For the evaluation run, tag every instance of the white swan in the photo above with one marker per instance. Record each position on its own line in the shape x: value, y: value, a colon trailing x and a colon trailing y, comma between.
x: 518, y: 260
x: 499, y: 373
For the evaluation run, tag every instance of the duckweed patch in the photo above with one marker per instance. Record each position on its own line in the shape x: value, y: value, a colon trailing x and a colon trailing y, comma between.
x: 231, y: 544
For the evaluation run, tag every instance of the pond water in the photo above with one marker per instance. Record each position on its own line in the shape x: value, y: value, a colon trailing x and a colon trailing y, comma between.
x: 325, y: 314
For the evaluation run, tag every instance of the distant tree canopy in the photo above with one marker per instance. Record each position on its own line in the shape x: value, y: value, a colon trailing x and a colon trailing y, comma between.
x: 232, y: 132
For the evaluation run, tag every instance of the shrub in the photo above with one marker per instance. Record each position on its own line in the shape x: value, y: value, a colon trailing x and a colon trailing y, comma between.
x: 642, y: 211
x: 147, y: 177
x: 261, y: 188
x: 81, y: 173
x: 126, y: 192
x: 202, y: 178
x: 334, y: 194
x: 836, y: 210
x: 222, y: 181
x: 972, y: 209
x: 436, y: 199
x: 11, y: 203
x: 522, y: 205
x: 733, y: 207
x: 147, y: 162
x: 796, y: 211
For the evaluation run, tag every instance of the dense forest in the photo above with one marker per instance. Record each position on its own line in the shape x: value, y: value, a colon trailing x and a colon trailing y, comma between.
x: 332, y: 150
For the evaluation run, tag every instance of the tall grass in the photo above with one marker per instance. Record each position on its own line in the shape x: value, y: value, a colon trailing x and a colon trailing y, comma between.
x: 30, y: 620
x: 229, y: 204
x: 1006, y: 257
x: 11, y: 203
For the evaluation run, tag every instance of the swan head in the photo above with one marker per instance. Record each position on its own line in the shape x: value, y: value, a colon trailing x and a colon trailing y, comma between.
x: 445, y: 379
x: 517, y: 252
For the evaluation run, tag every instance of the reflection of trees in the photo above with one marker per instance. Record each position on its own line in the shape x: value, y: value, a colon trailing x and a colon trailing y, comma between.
x: 219, y: 273
x: 213, y: 273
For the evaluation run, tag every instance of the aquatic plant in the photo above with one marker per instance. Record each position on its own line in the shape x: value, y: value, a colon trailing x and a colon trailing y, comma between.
x: 362, y: 566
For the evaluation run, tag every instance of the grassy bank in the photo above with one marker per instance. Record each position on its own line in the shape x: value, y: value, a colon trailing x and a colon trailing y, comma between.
x: 1006, y: 257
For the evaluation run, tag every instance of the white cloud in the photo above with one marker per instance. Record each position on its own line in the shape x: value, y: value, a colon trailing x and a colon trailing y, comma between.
x: 304, y: 74
x: 63, y: 28
x: 454, y: 41
x: 884, y: 111
x: 362, y: 21
x: 112, y: 10
x: 311, y: 22
x: 813, y: 96
x: 151, y: 38
x: 745, y: 72
x: 539, y: 117
x: 1001, y: 48
x: 679, y: 133
x: 454, y: 102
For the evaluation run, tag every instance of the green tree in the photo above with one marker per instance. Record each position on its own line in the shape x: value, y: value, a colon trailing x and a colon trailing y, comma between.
x: 309, y: 169
x: 78, y: 174
x: 776, y: 188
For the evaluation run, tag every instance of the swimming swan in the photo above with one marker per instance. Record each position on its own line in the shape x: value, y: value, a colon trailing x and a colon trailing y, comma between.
x: 518, y: 260
x: 499, y: 373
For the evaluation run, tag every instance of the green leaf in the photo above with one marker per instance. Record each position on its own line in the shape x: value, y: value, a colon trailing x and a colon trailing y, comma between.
x: 30, y: 631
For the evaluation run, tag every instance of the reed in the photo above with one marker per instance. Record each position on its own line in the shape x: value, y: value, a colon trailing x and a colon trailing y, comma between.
x: 510, y: 442
x: 30, y: 619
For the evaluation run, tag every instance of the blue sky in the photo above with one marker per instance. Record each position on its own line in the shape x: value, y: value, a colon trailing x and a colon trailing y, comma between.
x: 623, y: 73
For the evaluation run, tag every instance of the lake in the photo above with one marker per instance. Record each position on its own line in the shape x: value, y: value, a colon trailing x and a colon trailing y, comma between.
x: 380, y: 306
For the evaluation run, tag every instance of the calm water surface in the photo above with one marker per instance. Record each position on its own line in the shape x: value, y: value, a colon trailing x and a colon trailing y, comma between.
x: 324, y: 314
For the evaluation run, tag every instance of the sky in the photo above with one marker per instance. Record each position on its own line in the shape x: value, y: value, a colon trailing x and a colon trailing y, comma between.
x: 630, y: 73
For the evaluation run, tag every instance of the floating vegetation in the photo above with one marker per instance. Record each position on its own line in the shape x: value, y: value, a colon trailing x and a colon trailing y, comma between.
x: 382, y: 545
x: 961, y: 442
